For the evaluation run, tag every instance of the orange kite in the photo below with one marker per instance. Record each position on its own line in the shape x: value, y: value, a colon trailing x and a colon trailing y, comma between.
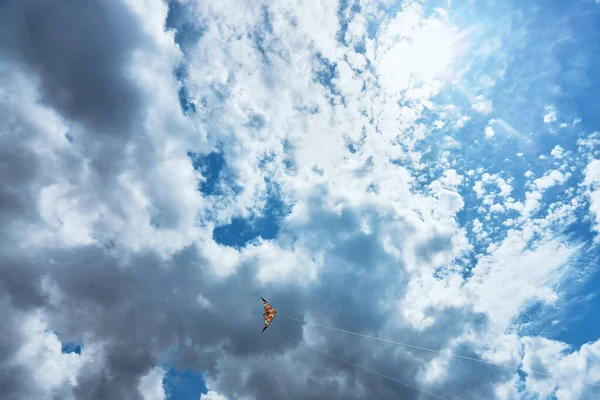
x: 269, y: 313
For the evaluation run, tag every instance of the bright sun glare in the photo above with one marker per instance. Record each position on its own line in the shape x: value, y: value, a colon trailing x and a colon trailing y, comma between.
x: 433, y: 50
x: 424, y: 52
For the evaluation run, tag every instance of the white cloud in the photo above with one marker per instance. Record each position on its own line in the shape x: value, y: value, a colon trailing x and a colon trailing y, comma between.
x: 505, y: 187
x: 481, y: 105
x: 411, y: 47
x: 592, y: 179
x: 151, y: 385
x: 577, y: 369
x: 489, y: 132
x: 486, y: 81
x: 451, y: 201
x: 51, y: 372
x: 512, y: 276
x: 592, y: 173
x: 497, y: 208
x: 212, y: 395
x: 357, y: 28
x: 461, y: 121
x: 557, y: 152
x: 452, y: 178
x: 550, y: 115
x: 550, y: 179
x: 356, y: 60
x: 478, y: 188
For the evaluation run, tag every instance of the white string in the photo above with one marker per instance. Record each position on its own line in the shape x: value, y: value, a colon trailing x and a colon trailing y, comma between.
x: 361, y: 367
x: 430, y: 350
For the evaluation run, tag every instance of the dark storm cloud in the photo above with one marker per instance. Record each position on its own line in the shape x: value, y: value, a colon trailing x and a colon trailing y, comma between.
x: 12, y: 378
x: 18, y: 166
x: 78, y: 54
x: 79, y: 50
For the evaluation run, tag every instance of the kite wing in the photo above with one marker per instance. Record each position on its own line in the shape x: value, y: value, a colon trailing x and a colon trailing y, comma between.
x: 269, y: 313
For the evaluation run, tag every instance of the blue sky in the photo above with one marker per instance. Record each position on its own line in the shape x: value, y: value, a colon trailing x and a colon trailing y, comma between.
x: 421, y: 171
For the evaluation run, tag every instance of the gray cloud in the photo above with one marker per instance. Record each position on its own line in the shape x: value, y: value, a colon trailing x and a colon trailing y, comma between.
x: 13, y: 379
x: 78, y: 50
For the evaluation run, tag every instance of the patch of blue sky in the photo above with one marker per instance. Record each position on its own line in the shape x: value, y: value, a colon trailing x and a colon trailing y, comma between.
x: 181, y: 72
x: 185, y: 102
x: 554, y: 67
x: 261, y: 36
x: 308, y: 109
x: 572, y: 318
x: 547, y: 63
x: 69, y: 345
x: 187, y: 30
x: 521, y: 386
x: 351, y: 148
x: 518, y: 100
x: 373, y: 26
x: 355, y: 145
x: 288, y: 160
x: 579, y: 322
x: 324, y: 73
x: 465, y: 158
x: 183, y: 385
x: 473, y: 149
x: 256, y: 121
x: 537, y: 318
x: 493, y: 223
x: 241, y: 231
x: 582, y: 230
x: 391, y: 9
x: 576, y: 54
x: 218, y: 180
x: 430, y: 8
x: 72, y: 347
x: 346, y: 10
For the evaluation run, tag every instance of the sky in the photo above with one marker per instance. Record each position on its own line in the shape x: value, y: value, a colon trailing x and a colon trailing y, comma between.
x: 425, y: 172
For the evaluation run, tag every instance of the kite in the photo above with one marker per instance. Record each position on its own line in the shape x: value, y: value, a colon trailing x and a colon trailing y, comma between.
x: 269, y: 313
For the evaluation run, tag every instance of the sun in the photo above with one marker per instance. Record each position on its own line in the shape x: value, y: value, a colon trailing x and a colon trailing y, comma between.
x: 434, y: 48
x: 419, y: 50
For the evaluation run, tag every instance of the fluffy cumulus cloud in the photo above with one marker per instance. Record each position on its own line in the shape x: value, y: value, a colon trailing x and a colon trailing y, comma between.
x: 592, y: 179
x: 165, y: 164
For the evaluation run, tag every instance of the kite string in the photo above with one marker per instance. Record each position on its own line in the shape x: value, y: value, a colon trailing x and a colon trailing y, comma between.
x: 427, y: 349
x: 360, y: 366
